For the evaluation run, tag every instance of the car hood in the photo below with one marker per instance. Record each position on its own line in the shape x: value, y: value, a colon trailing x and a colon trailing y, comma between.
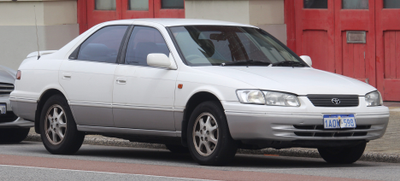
x: 297, y: 80
x: 7, y: 75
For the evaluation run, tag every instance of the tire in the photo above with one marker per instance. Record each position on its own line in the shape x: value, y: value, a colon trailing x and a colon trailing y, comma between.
x: 177, y: 148
x: 58, y: 128
x: 342, y: 155
x: 208, y: 136
x: 13, y: 135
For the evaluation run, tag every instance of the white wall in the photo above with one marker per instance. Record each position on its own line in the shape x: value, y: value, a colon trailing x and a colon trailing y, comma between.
x: 56, y: 25
x: 266, y: 14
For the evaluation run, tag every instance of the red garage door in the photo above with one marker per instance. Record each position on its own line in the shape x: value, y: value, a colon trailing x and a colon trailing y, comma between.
x: 92, y: 12
x: 388, y: 48
x: 356, y: 38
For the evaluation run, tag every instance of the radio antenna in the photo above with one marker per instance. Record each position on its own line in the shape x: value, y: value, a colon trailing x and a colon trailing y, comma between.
x: 37, y: 36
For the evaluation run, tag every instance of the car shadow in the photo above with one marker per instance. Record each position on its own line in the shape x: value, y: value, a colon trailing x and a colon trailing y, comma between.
x: 240, y: 160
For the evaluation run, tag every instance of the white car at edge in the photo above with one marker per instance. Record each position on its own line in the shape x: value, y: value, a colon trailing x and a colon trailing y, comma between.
x: 210, y: 86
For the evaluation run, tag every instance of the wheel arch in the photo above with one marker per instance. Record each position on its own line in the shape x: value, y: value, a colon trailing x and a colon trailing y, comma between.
x: 195, y: 100
x: 42, y: 100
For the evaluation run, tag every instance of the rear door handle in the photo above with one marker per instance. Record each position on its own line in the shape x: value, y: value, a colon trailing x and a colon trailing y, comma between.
x: 121, y: 81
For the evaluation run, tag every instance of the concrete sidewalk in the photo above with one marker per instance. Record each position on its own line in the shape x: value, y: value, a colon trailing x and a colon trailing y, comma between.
x: 385, y: 149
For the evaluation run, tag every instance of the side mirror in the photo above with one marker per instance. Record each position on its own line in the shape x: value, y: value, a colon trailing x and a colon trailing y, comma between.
x: 161, y: 60
x: 307, y: 59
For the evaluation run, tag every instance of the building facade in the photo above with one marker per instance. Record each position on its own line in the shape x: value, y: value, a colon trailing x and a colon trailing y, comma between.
x: 356, y: 38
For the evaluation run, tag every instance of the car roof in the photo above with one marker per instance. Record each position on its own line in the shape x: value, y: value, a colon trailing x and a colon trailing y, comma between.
x: 168, y: 22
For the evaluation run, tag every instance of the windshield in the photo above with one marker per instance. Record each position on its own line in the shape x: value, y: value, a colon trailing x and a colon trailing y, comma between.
x: 232, y: 46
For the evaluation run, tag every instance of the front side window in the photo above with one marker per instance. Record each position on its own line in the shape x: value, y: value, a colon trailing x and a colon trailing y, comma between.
x: 102, y: 46
x: 143, y: 41
x: 226, y: 45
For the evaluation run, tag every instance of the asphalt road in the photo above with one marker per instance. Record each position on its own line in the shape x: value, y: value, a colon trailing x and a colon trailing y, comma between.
x: 30, y: 161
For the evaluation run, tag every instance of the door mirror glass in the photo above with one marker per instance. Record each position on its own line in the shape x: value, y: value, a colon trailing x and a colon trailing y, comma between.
x: 307, y: 59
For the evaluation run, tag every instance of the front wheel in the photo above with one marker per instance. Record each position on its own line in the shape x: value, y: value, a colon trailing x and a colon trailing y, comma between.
x: 57, y: 127
x: 343, y: 155
x: 209, y: 139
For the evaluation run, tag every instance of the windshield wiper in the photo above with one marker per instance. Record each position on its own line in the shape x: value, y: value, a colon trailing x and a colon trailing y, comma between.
x: 247, y: 63
x: 289, y: 64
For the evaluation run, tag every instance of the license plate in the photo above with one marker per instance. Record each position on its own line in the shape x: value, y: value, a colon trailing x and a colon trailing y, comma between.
x: 3, y: 108
x: 339, y: 121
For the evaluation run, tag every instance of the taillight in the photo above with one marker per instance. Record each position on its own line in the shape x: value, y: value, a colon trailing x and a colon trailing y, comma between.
x: 18, y: 76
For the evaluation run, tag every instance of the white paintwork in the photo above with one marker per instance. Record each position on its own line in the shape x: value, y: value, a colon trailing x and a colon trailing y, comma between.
x: 147, y: 98
x: 160, y: 60
x: 307, y: 59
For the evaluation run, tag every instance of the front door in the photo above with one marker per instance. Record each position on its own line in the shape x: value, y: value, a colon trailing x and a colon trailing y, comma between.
x: 143, y: 96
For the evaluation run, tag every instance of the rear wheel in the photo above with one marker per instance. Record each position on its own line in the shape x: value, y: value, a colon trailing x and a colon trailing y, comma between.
x: 209, y: 139
x: 13, y: 135
x: 343, y: 155
x: 57, y: 127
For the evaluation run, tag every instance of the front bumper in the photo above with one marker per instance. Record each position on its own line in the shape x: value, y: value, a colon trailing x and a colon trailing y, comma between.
x: 17, y: 123
x: 302, y: 124
x: 10, y: 120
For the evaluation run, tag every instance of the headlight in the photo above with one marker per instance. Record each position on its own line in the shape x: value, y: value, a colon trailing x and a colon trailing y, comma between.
x: 373, y: 99
x: 270, y: 98
x: 251, y: 96
x: 281, y: 99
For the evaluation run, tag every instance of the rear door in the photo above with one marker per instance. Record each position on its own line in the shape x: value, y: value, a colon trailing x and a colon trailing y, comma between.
x: 88, y: 76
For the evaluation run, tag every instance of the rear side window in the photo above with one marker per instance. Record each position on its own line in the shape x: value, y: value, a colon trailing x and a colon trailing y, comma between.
x: 102, y: 46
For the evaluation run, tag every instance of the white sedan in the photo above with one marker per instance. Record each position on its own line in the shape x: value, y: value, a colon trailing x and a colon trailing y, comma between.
x: 209, y: 87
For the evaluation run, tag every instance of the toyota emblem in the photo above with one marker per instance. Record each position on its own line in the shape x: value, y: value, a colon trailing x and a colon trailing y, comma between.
x: 335, y: 101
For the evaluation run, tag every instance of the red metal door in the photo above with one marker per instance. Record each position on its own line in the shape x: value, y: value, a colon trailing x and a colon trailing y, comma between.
x: 92, y: 12
x: 355, y: 39
x: 97, y: 13
x: 315, y: 32
x: 176, y: 11
x: 388, y: 48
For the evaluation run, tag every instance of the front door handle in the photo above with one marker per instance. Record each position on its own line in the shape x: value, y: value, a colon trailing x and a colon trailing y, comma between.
x: 67, y: 76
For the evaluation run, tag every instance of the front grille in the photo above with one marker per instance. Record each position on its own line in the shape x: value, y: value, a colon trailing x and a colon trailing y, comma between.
x: 319, y: 131
x: 6, y: 88
x: 8, y: 117
x: 328, y: 100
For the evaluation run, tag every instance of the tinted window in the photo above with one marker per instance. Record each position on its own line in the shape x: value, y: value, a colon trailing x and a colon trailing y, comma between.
x: 138, y: 5
x: 105, y: 5
x: 316, y: 4
x: 355, y: 4
x: 391, y: 4
x: 172, y: 4
x: 103, y: 46
x: 143, y: 41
